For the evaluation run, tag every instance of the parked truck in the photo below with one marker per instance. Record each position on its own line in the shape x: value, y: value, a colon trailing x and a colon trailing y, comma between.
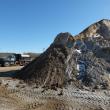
x: 15, y: 59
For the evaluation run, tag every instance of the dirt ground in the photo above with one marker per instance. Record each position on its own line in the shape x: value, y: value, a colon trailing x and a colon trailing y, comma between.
x: 12, y: 68
x: 17, y: 95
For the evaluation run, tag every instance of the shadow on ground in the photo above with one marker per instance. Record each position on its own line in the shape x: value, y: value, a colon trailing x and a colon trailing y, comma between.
x: 11, y: 73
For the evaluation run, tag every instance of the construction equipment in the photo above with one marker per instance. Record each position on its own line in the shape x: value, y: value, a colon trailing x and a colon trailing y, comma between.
x: 15, y: 59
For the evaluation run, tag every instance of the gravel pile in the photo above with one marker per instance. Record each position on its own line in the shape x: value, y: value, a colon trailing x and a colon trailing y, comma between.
x: 81, y: 61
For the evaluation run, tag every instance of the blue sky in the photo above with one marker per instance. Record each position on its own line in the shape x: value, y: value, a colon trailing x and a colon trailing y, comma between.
x: 31, y: 25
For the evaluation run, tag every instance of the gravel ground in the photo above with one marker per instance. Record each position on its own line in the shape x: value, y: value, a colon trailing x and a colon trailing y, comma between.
x: 16, y: 95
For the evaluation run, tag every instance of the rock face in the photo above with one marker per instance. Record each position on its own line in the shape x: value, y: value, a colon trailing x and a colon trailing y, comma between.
x: 83, y: 60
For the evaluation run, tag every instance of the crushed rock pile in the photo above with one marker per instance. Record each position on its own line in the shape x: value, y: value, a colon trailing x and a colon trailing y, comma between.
x: 49, y: 69
x: 80, y: 61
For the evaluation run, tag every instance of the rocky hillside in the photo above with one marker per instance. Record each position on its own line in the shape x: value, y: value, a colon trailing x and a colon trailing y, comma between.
x: 82, y: 60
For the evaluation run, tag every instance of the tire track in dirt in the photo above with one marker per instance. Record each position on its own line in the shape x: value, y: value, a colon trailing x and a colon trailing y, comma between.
x: 70, y: 100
